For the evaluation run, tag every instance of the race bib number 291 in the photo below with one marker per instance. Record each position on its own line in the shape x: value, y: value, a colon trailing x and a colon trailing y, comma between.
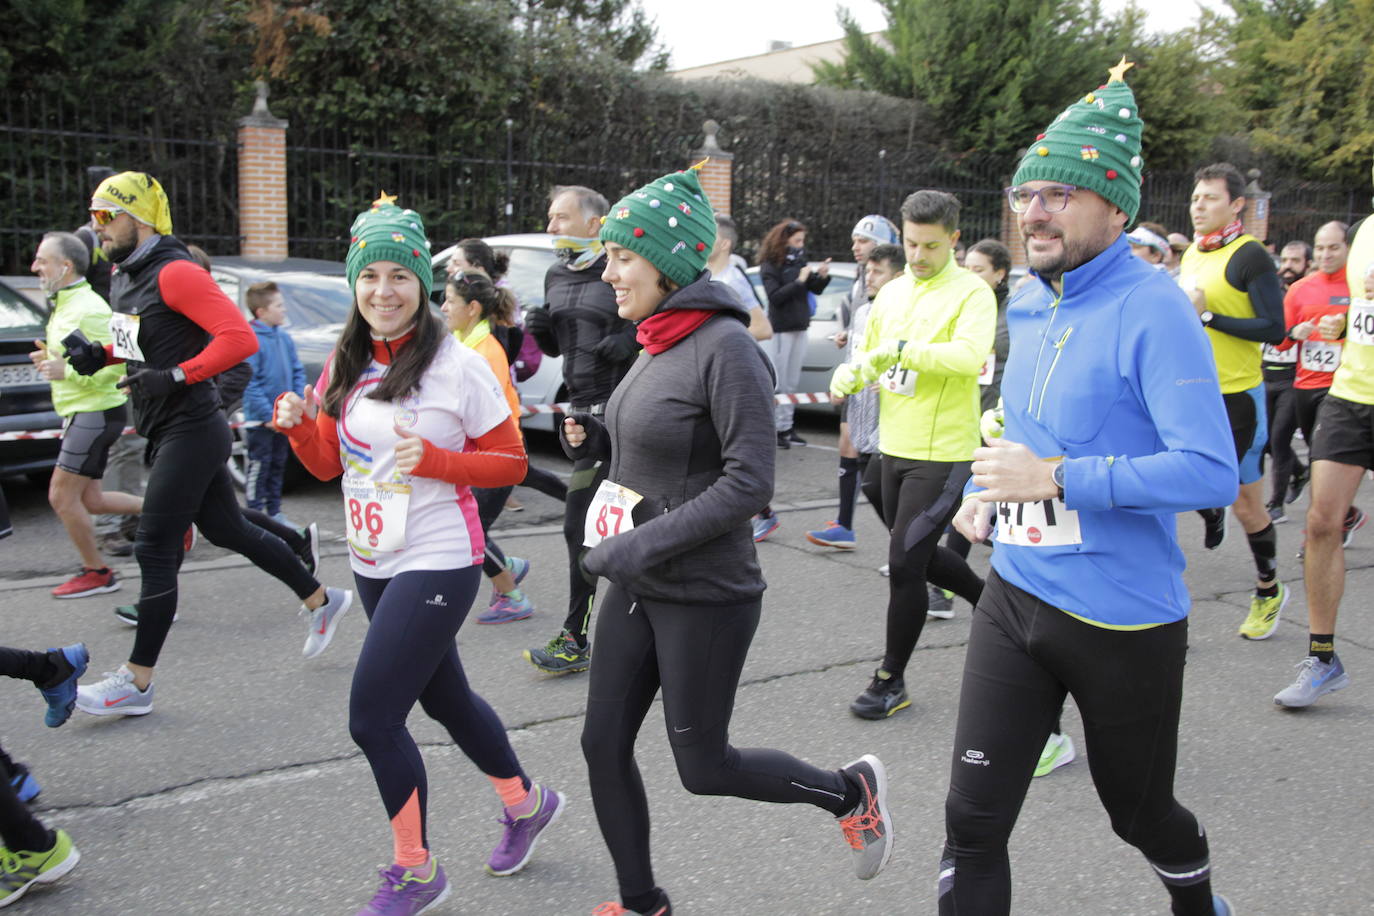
x: 1046, y: 523
x: 124, y: 329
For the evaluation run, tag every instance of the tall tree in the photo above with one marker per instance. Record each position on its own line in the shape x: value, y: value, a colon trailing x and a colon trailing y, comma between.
x: 1321, y: 123
x: 996, y: 71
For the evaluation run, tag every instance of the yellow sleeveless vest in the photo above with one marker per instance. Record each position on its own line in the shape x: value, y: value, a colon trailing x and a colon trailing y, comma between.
x: 1238, y: 360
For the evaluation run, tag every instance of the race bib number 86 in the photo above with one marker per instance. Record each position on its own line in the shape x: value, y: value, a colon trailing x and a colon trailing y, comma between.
x: 1047, y: 523
x: 375, y: 513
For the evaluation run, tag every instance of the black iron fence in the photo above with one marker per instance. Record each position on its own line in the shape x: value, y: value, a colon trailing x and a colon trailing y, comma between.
x: 826, y: 170
x: 48, y: 152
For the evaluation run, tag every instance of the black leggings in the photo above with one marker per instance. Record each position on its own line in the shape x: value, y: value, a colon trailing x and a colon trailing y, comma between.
x: 919, y: 499
x: 1023, y: 656
x: 490, y: 502
x: 410, y: 654
x: 1305, y: 404
x: 1280, y: 398
x: 586, y: 477
x: 189, y: 482
x: 695, y: 655
x: 545, y: 482
x: 19, y: 829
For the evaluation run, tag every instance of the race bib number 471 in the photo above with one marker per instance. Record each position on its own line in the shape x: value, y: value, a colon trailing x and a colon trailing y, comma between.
x: 1047, y: 523
x: 610, y: 513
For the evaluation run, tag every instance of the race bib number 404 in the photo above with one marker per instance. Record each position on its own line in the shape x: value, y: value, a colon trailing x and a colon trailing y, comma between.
x: 610, y: 513
x: 375, y: 513
x: 1047, y: 523
x: 1360, y: 322
x: 124, y: 328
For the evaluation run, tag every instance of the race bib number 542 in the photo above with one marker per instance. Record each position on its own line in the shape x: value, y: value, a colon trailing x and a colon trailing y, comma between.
x: 610, y: 513
x: 1047, y: 523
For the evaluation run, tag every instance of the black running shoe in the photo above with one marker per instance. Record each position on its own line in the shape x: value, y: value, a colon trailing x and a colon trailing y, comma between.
x: 783, y: 441
x: 1213, y: 527
x: 1297, y: 482
x: 794, y: 438
x: 885, y: 695
x: 561, y: 656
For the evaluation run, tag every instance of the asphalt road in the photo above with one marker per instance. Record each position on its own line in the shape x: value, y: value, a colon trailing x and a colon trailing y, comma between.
x: 243, y: 793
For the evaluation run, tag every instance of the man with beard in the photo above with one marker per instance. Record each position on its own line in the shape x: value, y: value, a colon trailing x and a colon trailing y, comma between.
x: 1235, y: 290
x: 1289, y: 474
x: 580, y: 323
x: 175, y: 329
x: 1114, y: 422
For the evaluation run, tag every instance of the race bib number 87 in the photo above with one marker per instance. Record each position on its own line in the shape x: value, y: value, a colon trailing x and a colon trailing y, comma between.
x: 610, y: 513
x: 1046, y: 523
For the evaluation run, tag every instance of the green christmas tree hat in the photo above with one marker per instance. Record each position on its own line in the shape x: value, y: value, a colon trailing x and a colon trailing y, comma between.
x: 669, y: 222
x: 1093, y: 144
x: 385, y: 232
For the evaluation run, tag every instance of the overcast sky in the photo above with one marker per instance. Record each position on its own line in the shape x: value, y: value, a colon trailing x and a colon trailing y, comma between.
x: 704, y: 31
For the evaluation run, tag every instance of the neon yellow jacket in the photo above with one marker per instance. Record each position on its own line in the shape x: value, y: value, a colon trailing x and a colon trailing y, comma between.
x: 948, y: 323
x: 79, y: 306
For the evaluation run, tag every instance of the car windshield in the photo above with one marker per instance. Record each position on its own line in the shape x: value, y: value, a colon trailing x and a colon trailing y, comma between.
x: 19, y: 315
x: 314, y: 302
x: 526, y: 274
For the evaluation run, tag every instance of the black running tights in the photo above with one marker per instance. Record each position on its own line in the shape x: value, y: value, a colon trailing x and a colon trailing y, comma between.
x: 919, y: 499
x: 1023, y: 656
x: 695, y: 655
x: 586, y: 477
x: 188, y: 483
x: 410, y: 654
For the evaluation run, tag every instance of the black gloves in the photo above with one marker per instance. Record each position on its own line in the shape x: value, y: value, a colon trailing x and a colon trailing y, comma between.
x: 539, y: 322
x: 617, y: 348
x: 153, y: 383
x: 84, y: 355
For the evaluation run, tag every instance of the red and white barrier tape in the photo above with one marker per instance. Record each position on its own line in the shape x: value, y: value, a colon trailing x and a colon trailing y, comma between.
x: 528, y: 410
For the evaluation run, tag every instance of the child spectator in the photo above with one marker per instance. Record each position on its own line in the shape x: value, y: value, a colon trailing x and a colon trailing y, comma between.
x: 276, y: 369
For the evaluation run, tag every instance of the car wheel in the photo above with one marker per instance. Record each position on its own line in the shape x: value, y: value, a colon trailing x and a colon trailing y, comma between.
x: 238, y: 449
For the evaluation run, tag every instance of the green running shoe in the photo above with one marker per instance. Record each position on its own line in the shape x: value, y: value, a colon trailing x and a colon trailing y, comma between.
x: 1263, y: 618
x: 1058, y: 752
x: 21, y: 869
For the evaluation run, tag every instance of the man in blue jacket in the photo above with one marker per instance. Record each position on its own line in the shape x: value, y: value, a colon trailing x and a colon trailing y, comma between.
x: 1113, y: 423
x: 276, y: 370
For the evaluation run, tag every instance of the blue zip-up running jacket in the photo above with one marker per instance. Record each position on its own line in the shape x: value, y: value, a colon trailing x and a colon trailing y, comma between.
x: 1116, y: 375
x: 276, y: 369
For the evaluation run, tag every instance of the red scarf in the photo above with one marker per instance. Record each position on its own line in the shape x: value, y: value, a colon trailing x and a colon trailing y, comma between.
x: 662, y: 331
x: 1211, y: 241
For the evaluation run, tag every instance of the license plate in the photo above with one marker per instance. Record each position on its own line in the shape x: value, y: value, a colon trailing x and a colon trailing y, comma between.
x: 14, y: 376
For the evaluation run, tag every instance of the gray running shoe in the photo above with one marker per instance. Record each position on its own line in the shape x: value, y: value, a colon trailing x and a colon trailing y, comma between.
x: 115, y: 696
x: 941, y: 604
x: 324, y: 620
x: 868, y: 828
x: 1316, y: 678
x: 884, y: 696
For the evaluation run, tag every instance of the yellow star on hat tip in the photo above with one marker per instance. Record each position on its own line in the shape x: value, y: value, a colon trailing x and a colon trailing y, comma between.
x: 1119, y: 71
x: 386, y: 198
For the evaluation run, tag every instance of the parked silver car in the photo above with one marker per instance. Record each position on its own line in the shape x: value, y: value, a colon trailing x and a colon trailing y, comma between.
x: 822, y: 356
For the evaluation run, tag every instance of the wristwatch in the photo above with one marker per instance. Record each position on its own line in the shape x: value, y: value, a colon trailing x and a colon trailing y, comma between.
x: 1058, y: 478
x: 1206, y: 317
x: 179, y: 375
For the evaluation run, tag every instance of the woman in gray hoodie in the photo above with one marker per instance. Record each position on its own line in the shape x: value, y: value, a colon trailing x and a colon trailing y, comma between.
x: 689, y: 437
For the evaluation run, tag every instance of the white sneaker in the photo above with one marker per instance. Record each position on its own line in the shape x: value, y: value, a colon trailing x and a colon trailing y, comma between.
x: 324, y: 620
x: 884, y: 570
x: 1057, y: 753
x: 115, y: 696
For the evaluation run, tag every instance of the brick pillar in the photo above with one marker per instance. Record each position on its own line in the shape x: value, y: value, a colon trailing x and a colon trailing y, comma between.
x: 262, y: 183
x: 1011, y: 235
x: 1255, y: 218
x: 717, y: 175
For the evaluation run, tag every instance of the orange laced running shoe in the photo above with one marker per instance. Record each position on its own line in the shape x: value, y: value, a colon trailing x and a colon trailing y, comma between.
x: 868, y: 829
